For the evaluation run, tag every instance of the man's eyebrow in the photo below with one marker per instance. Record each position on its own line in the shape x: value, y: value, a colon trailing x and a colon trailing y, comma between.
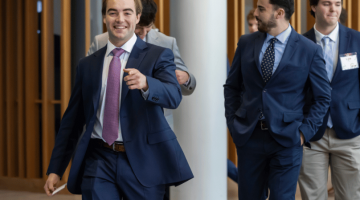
x: 261, y: 7
x: 111, y: 9
x: 128, y: 9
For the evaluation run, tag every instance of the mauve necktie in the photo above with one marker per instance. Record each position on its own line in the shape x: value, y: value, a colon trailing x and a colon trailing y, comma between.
x: 111, y: 112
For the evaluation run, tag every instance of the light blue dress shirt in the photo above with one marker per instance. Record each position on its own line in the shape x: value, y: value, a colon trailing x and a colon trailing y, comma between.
x: 279, y: 46
x: 330, y: 45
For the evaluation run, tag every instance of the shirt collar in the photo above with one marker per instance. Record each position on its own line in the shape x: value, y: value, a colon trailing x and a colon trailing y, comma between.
x: 333, y: 35
x: 128, y: 46
x: 282, y: 37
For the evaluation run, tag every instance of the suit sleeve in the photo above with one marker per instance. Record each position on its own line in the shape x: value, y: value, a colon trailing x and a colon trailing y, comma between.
x: 180, y: 65
x: 70, y: 130
x: 232, y: 88
x: 164, y: 89
x: 321, y: 92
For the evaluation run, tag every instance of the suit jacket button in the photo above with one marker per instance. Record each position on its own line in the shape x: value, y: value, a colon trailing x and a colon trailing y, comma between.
x: 154, y: 99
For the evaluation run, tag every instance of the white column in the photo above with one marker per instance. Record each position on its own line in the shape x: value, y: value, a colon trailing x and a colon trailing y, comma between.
x: 200, y: 27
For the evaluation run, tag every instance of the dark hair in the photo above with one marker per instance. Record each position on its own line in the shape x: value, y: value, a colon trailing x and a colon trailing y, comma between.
x: 148, y: 12
x: 138, y: 7
x: 315, y: 3
x: 251, y: 16
x: 287, y: 5
x: 343, y: 16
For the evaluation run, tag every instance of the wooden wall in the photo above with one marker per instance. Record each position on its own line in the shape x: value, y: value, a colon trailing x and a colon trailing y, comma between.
x: 27, y: 101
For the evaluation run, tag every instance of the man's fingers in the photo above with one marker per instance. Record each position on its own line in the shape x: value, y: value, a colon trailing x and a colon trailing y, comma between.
x: 131, y: 77
x: 132, y: 82
x: 47, y: 191
x: 49, y: 188
x: 131, y: 71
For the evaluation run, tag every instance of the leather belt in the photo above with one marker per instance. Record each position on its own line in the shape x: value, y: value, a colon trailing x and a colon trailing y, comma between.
x: 262, y: 125
x: 118, y: 147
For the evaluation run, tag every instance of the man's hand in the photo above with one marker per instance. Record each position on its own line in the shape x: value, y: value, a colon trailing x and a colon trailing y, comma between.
x: 181, y: 76
x: 50, y: 185
x: 135, y: 79
x: 302, y: 138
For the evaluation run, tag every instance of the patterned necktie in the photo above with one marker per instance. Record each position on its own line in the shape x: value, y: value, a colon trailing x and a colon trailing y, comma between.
x: 111, y: 112
x: 329, y: 66
x: 267, y: 64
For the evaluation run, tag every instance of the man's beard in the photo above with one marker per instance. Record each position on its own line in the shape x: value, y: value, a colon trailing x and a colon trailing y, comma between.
x: 265, y: 28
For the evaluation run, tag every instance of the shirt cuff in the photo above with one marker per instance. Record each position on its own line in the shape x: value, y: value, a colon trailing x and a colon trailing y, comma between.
x: 145, y: 94
x: 187, y: 83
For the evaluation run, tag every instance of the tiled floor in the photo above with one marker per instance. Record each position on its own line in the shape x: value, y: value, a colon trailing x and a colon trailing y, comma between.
x: 15, y: 195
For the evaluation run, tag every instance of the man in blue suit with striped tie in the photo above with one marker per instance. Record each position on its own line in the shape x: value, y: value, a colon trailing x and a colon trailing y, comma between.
x: 264, y: 97
x: 337, y: 142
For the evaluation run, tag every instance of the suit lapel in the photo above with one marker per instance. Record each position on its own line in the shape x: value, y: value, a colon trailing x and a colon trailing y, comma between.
x: 344, y: 39
x: 96, y: 72
x: 311, y: 35
x: 259, y: 41
x: 288, y: 52
x: 136, y: 56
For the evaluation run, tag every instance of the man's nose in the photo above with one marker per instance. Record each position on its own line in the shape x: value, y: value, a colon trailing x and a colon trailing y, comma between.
x: 120, y: 18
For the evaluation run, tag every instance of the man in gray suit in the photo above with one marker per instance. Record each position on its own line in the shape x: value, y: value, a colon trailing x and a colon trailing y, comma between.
x: 144, y: 29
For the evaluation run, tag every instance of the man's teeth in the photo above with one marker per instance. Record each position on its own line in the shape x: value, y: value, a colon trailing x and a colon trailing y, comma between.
x: 119, y: 27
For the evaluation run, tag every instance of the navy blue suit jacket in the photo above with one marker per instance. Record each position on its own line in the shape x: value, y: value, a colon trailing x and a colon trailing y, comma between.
x: 345, y: 94
x: 151, y: 146
x: 283, y: 97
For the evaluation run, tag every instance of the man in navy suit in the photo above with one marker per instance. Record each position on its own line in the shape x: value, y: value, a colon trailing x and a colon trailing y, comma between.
x: 128, y: 150
x: 337, y: 142
x: 264, y: 98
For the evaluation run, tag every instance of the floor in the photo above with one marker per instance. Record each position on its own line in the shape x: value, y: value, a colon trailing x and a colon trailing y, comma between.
x: 232, y: 192
x: 15, y: 195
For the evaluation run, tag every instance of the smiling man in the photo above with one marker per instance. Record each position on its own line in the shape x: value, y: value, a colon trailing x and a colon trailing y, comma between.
x: 128, y: 150
x: 337, y: 142
x: 264, y: 98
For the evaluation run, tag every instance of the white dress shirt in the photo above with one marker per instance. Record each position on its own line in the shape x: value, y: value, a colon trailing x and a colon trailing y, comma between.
x: 128, y: 46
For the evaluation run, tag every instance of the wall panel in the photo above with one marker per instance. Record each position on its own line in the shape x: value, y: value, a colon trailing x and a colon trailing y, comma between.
x: 32, y: 114
x: 11, y: 85
x: 47, y: 79
x: 65, y: 62
x: 236, y: 22
x: 3, y: 154
x: 20, y: 88
x: 162, y: 19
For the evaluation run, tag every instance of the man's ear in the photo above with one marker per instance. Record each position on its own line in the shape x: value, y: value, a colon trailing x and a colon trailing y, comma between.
x: 138, y: 18
x: 280, y: 13
x: 313, y: 8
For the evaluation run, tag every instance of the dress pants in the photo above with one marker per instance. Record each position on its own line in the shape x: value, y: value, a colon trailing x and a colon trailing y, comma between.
x: 343, y: 157
x: 263, y: 163
x: 108, y: 176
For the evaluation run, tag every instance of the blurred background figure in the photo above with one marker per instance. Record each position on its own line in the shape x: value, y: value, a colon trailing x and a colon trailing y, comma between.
x: 252, y: 22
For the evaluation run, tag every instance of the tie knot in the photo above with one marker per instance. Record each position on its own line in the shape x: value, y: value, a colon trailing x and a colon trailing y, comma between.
x: 117, y: 52
x: 326, y: 39
x: 273, y: 40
